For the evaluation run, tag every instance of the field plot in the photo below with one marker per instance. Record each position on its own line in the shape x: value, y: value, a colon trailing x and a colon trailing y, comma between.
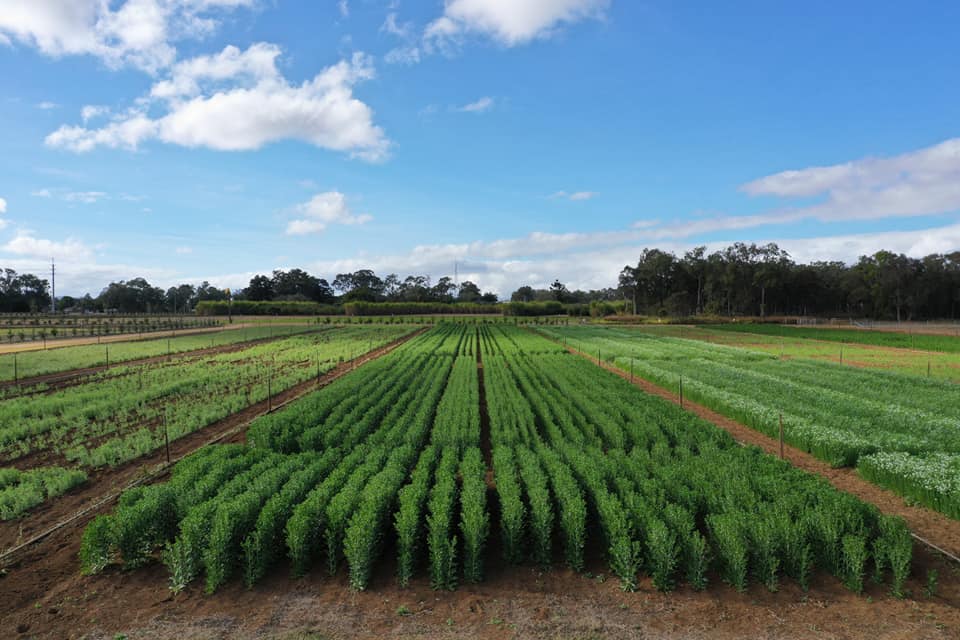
x: 903, y: 340
x: 937, y: 364
x: 21, y: 328
x: 396, y: 459
x: 843, y: 415
x: 18, y: 366
x: 127, y: 411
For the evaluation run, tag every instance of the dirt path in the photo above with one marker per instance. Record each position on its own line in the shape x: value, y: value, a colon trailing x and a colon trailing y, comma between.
x: 104, y: 484
x: 931, y: 525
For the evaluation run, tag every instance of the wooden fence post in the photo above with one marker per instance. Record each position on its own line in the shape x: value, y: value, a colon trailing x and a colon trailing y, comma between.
x: 781, y: 435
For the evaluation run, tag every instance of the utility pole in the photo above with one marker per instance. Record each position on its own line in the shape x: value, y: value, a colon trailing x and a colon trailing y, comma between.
x: 53, y: 286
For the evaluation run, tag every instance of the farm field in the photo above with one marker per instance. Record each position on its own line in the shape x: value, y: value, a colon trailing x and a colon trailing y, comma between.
x: 900, y: 339
x: 900, y: 431
x: 942, y: 365
x: 17, y: 366
x: 477, y: 479
x: 125, y: 412
x: 33, y: 328
x: 489, y: 450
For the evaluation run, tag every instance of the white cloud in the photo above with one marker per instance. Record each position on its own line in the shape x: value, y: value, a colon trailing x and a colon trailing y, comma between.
x: 137, y: 33
x: 479, y: 106
x: 86, y: 197
x: 183, y: 250
x: 93, y: 111
x: 47, y: 105
x: 510, y: 22
x: 321, y: 211
x: 25, y: 244
x: 403, y: 55
x: 42, y: 193
x: 592, y: 261
x: 410, y: 51
x: 238, y: 100
x: 344, y: 8
x: 576, y: 196
x: 392, y: 26
x: 917, y: 183
x: 3, y: 206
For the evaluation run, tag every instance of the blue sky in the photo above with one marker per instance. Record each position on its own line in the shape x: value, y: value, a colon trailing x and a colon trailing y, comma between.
x: 526, y: 140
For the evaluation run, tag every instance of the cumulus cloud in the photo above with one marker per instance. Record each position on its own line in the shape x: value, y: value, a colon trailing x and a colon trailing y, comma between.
x: 93, y: 111
x: 478, y: 106
x: 922, y: 182
x: 47, y: 105
x: 136, y: 33
x: 238, y: 100
x: 321, y: 211
x: 510, y: 22
x: 26, y: 244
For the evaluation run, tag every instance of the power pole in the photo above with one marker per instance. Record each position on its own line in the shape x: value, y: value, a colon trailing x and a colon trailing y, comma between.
x: 456, y: 273
x: 53, y: 286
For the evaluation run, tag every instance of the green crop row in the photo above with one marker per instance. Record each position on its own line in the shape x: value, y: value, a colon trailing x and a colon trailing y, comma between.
x: 842, y: 415
x: 28, y: 364
x: 21, y: 491
x: 399, y: 445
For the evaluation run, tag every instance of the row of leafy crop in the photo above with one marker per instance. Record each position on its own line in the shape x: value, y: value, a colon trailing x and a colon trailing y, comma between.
x: 922, y: 341
x: 842, y: 415
x: 128, y: 411
x: 579, y: 457
x: 838, y: 414
x: 20, y: 366
x: 673, y: 496
x: 322, y: 499
x: 20, y: 491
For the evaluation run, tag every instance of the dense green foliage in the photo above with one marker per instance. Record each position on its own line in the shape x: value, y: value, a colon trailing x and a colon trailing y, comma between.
x: 266, y: 308
x: 399, y: 444
x: 20, y: 491
x: 842, y: 415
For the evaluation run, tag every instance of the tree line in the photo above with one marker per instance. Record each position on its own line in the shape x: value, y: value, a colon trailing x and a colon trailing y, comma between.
x: 762, y: 280
x: 739, y: 280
